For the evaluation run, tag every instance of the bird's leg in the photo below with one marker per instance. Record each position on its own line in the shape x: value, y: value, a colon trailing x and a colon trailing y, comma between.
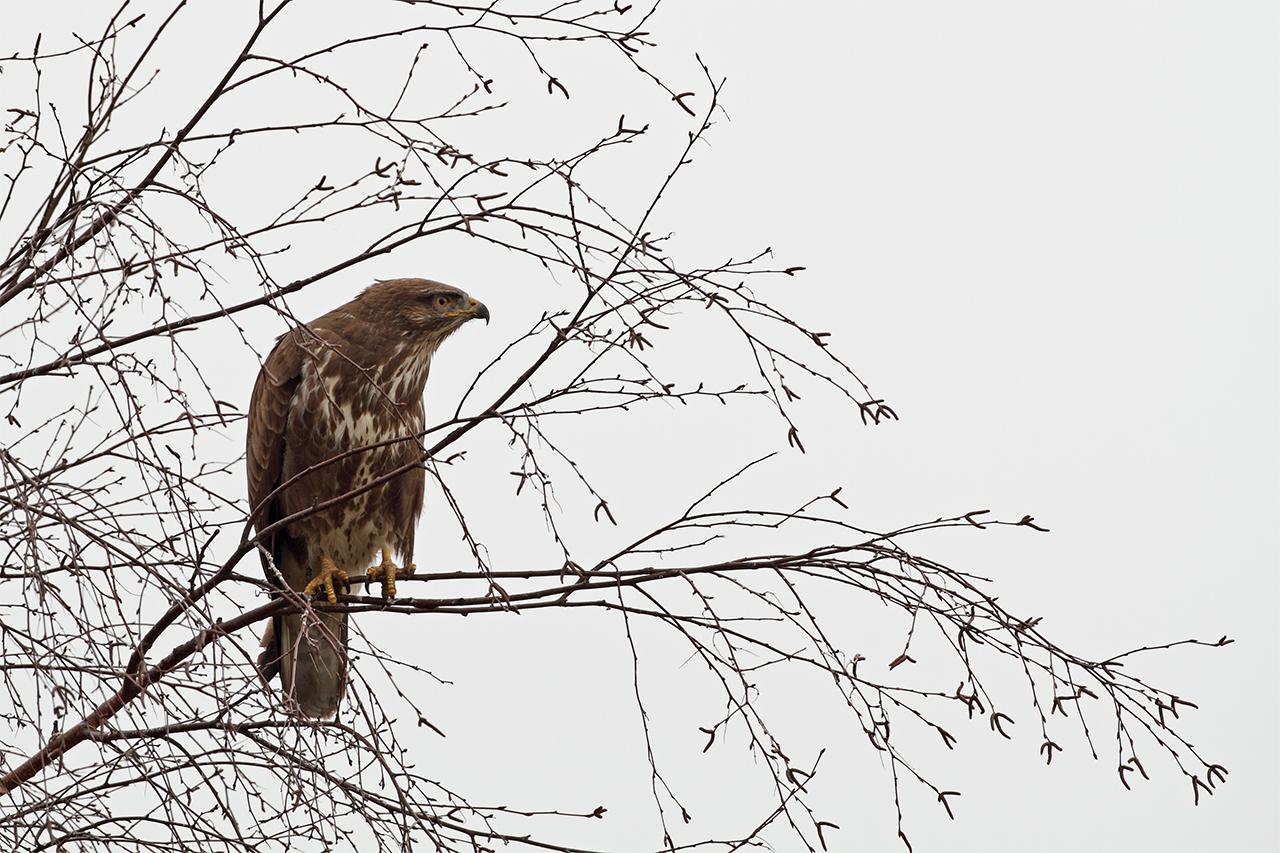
x: 386, y: 573
x: 324, y: 579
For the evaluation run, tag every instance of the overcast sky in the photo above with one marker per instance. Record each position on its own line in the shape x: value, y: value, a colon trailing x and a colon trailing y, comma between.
x: 1047, y: 234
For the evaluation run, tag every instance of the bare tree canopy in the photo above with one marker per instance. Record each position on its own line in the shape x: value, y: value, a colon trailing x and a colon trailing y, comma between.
x: 156, y: 219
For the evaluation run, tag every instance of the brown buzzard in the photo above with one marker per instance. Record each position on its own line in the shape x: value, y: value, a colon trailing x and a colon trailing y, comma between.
x: 338, y: 404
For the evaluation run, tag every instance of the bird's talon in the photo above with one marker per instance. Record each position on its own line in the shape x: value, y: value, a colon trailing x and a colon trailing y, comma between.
x: 324, y: 580
x: 386, y: 574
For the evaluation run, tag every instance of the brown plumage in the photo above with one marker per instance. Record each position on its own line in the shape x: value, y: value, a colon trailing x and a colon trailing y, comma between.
x: 348, y: 380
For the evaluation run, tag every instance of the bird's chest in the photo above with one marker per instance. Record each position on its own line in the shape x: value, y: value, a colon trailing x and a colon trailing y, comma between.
x: 351, y: 440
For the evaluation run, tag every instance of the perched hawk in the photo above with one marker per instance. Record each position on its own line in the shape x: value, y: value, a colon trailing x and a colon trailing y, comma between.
x: 338, y: 404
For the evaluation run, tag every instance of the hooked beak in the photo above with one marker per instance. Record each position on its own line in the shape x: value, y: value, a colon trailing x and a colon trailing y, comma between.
x: 478, y: 310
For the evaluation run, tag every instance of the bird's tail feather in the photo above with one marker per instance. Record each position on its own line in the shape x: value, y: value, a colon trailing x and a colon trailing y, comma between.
x: 313, y: 660
x: 308, y: 650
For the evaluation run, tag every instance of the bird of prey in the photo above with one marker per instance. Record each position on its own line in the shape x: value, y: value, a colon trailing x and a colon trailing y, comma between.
x: 336, y: 407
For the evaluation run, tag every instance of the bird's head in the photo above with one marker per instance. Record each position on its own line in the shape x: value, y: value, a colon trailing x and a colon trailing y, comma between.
x: 420, y: 308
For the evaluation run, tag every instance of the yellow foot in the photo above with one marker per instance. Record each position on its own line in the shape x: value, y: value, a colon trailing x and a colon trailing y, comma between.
x: 386, y: 573
x: 324, y: 579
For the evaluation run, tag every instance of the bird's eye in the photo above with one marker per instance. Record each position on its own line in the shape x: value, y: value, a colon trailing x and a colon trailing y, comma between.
x: 442, y: 301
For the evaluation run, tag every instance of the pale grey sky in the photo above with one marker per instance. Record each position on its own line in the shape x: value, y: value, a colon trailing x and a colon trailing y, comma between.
x: 1047, y: 234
